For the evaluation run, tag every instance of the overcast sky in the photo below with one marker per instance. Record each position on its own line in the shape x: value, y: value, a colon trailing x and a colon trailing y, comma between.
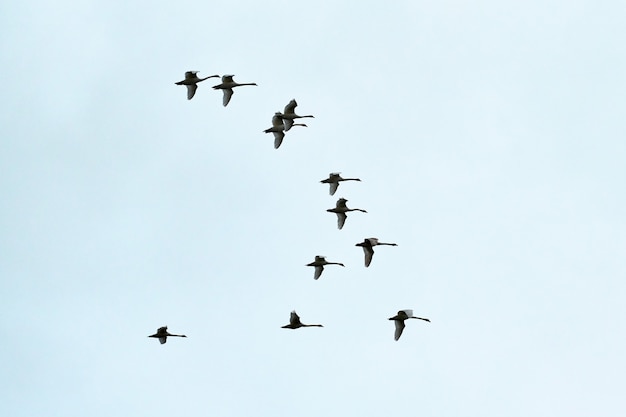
x: 490, y: 140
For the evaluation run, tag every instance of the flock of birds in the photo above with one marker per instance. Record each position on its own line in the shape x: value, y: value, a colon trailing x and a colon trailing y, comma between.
x: 281, y: 123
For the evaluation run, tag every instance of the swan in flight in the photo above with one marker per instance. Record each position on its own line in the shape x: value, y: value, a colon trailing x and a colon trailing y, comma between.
x: 227, y: 86
x: 334, y: 179
x: 368, y: 249
x: 319, y: 263
x: 162, y: 334
x: 191, y: 81
x: 278, y: 129
x: 399, y: 321
x: 289, y: 115
x: 341, y: 209
x: 295, y: 323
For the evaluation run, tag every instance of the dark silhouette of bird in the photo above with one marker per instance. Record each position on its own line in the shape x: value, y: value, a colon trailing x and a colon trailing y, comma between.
x: 399, y: 321
x: 341, y: 209
x: 334, y: 178
x: 227, y: 86
x: 319, y: 263
x: 289, y: 114
x: 295, y: 323
x: 191, y: 81
x: 368, y: 248
x: 162, y: 334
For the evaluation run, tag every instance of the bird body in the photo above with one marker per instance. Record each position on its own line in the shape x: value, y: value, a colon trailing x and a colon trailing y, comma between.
x: 295, y: 323
x: 341, y: 209
x: 334, y: 178
x: 162, y: 334
x: 399, y: 321
x: 227, y: 86
x: 289, y: 114
x: 368, y: 248
x: 191, y: 81
x: 319, y: 263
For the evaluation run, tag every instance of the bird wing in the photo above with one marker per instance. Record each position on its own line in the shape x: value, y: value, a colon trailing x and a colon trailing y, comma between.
x: 290, y: 107
x: 277, y: 121
x: 318, y: 271
x: 278, y: 139
x: 341, y: 203
x: 369, y: 253
x: 399, y: 328
x: 163, y: 339
x: 373, y: 241
x: 341, y: 219
x: 333, y: 187
x: 191, y: 90
x: 288, y: 123
x: 228, y: 93
x: 190, y: 75
x: 409, y: 313
x: 227, y: 78
x: 294, y: 318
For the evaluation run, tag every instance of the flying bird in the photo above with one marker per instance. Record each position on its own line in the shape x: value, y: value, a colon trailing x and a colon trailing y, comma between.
x: 289, y: 114
x: 399, y: 321
x: 319, y: 263
x: 278, y: 129
x: 227, y: 86
x: 334, y: 179
x: 341, y: 209
x: 295, y: 323
x: 368, y: 248
x: 191, y: 81
x: 162, y: 334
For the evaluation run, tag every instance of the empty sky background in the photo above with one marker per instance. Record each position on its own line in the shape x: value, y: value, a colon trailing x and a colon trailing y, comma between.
x: 489, y: 137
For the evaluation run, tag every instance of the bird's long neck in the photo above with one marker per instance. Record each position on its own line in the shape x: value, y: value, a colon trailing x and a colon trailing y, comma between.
x: 388, y: 244
x: 312, y: 325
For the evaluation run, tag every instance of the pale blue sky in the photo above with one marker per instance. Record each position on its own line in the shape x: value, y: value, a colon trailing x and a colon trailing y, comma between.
x: 489, y: 137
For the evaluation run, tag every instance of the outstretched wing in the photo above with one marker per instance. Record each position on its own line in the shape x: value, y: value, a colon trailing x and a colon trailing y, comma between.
x: 290, y: 107
x: 278, y: 139
x: 294, y: 319
x: 228, y: 93
x: 333, y: 187
x: 369, y: 253
x: 163, y: 339
x: 399, y: 328
x: 318, y: 272
x: 191, y: 90
x: 341, y: 220
x: 288, y: 123
x: 278, y: 122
